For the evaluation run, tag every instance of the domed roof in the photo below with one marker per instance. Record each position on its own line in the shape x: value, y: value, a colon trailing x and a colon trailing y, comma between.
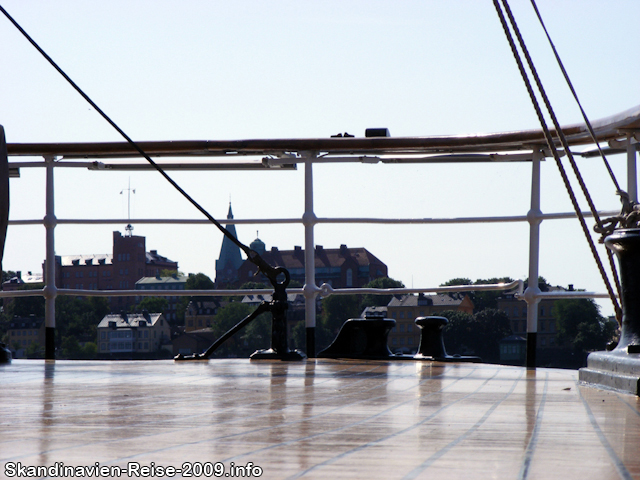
x: 258, y: 246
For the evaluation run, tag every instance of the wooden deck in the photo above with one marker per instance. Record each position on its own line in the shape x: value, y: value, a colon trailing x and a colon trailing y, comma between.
x: 317, y: 419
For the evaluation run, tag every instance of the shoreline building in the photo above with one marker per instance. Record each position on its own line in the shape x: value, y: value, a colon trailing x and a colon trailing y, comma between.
x: 134, y: 335
x: 173, y: 282
x: 120, y: 270
x: 342, y: 267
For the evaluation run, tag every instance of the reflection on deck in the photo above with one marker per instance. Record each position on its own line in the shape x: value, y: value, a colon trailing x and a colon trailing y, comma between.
x: 319, y: 419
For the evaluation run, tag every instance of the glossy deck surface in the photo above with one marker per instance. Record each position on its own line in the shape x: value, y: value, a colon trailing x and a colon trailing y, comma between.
x: 318, y: 419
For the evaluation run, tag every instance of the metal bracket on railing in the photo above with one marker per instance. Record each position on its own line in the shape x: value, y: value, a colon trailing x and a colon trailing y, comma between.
x: 278, y: 305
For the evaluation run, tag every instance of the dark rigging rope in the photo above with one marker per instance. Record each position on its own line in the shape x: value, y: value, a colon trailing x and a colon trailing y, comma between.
x: 267, y: 269
x: 551, y: 143
x: 575, y: 95
x: 599, y: 228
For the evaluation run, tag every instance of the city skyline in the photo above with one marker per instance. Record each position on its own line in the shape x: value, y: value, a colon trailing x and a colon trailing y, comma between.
x: 288, y: 70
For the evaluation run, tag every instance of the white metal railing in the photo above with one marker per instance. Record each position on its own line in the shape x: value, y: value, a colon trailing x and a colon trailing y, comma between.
x: 309, y: 220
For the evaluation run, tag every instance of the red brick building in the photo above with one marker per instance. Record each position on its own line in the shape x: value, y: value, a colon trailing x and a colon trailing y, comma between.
x: 339, y: 267
x: 119, y: 270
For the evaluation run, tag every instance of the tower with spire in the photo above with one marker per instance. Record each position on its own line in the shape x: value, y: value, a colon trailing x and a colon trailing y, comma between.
x: 230, y: 259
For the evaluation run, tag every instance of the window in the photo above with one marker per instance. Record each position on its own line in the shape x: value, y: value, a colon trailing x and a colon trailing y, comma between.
x: 409, y: 327
x: 402, y: 327
x: 349, y: 277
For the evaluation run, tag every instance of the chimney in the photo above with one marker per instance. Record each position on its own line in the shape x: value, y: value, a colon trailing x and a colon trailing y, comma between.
x: 571, y: 287
x: 344, y: 250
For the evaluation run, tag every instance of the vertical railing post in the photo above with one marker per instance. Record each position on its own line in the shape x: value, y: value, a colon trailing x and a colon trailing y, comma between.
x: 310, y: 289
x: 534, y: 217
x: 632, y: 173
x: 50, y: 290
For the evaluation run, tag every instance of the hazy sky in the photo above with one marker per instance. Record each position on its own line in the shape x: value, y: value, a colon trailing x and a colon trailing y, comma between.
x: 210, y: 70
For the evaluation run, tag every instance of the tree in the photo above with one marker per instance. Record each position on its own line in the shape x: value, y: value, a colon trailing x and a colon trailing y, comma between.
x: 151, y: 305
x: 480, y: 299
x: 581, y: 326
x: 253, y: 286
x: 371, y: 300
x: 477, y: 334
x: 35, y: 350
x: 225, y: 319
x: 543, y: 285
x: 336, y: 310
x: 78, y: 320
x: 199, y: 281
x: 167, y: 272
x: 458, y: 334
x: 8, y: 275
x: 25, y: 306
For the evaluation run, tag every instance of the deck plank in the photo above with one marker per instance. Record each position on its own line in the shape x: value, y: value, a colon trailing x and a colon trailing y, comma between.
x: 341, y: 419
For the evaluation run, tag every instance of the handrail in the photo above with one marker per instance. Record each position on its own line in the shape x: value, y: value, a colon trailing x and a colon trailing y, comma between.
x: 325, y: 290
x: 340, y: 220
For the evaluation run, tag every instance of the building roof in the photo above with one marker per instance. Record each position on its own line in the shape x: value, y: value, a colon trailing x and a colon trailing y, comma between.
x: 94, y: 259
x: 154, y: 257
x: 129, y: 320
x: 439, y: 299
x: 374, y: 311
x: 161, y: 282
x: 204, y: 307
x: 324, y: 257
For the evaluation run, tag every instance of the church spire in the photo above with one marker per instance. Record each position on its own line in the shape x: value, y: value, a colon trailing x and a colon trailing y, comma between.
x: 230, y: 259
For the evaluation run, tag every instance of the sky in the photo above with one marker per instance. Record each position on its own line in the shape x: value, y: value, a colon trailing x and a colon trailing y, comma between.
x: 214, y: 70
